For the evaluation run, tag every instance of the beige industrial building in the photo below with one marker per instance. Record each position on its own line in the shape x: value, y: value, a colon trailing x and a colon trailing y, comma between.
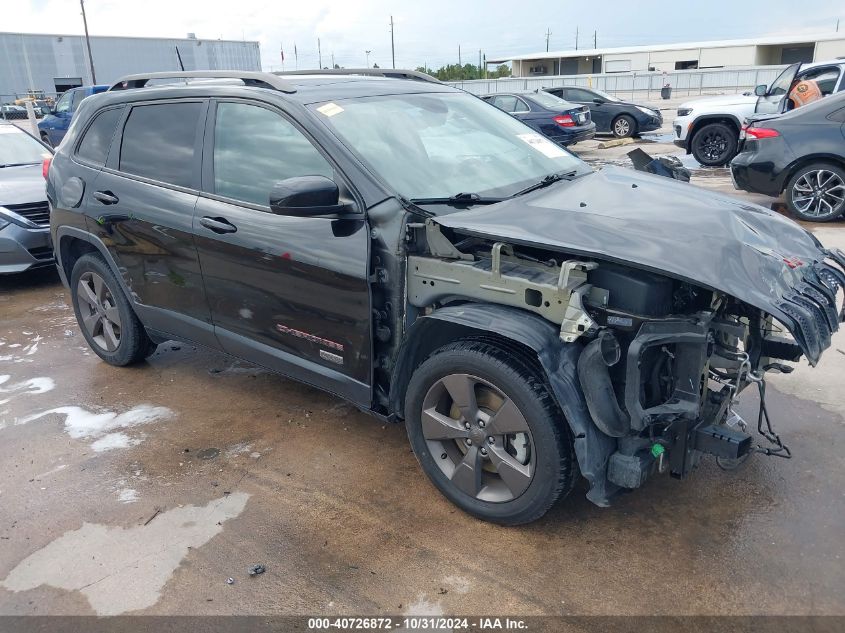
x: 764, y: 51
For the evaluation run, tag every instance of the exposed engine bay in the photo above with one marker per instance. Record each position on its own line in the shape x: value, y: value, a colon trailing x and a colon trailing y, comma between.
x: 661, y: 360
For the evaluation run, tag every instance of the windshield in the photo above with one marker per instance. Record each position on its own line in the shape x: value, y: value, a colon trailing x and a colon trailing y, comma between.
x: 438, y: 145
x: 604, y: 95
x: 549, y: 100
x: 18, y: 148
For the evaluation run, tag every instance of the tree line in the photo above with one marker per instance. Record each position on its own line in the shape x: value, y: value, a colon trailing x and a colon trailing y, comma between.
x: 455, y: 72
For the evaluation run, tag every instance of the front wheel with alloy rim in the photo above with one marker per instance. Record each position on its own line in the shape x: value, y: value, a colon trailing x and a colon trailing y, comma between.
x: 105, y: 317
x: 714, y: 144
x: 488, y: 433
x: 817, y: 192
x: 623, y: 126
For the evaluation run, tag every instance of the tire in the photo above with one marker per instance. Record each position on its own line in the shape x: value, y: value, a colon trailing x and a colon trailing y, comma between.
x: 537, y: 459
x: 623, y: 126
x: 816, y: 192
x: 45, y: 138
x: 104, y: 315
x: 714, y: 144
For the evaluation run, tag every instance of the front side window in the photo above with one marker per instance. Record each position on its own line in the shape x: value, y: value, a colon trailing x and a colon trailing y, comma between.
x: 429, y: 145
x: 254, y: 148
x: 158, y: 142
x: 783, y: 83
x: 826, y: 78
x: 64, y: 102
x: 95, y: 144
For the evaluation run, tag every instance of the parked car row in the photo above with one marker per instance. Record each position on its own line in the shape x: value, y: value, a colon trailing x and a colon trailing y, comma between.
x: 709, y: 128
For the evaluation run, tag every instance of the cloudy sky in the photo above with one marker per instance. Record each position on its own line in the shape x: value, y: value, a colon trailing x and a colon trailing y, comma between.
x: 428, y: 31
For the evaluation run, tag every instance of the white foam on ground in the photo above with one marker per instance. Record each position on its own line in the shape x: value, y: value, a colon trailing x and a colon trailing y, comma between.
x: 102, y: 427
x: 127, y: 495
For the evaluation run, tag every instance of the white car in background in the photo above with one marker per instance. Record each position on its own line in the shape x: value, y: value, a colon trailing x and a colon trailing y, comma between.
x: 709, y: 128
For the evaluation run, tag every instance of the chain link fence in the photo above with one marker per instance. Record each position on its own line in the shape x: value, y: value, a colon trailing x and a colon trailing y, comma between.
x: 645, y: 85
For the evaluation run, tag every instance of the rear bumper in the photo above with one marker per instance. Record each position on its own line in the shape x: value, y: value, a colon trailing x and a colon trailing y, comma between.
x: 750, y: 172
x: 22, y: 249
x: 570, y: 136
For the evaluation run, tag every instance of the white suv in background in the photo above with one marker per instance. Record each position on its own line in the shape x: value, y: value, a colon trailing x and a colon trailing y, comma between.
x: 709, y: 128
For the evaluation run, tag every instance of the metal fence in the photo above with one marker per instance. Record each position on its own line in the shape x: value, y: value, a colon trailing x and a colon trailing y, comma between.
x: 642, y: 84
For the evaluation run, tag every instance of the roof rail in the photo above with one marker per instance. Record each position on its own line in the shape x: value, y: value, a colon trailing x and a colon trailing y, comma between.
x: 249, y: 77
x: 393, y: 73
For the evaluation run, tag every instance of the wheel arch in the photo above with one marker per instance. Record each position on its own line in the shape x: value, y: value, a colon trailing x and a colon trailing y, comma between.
x: 705, y: 119
x: 538, y: 343
x: 72, y: 243
x: 809, y: 159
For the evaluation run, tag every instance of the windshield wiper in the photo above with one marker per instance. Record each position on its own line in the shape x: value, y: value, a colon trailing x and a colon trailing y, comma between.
x: 458, y: 199
x: 548, y: 180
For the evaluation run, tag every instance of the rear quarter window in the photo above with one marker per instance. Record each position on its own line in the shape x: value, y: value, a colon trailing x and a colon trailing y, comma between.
x: 94, y: 147
x: 158, y: 142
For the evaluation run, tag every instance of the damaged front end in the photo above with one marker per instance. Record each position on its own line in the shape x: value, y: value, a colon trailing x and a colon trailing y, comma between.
x: 660, y: 361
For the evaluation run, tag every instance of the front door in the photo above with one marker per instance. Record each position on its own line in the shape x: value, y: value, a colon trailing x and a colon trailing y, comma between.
x: 290, y: 293
x: 57, y: 122
x: 141, y: 206
x: 775, y: 98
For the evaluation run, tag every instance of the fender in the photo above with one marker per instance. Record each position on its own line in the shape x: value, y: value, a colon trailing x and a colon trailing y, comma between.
x: 534, y: 335
x: 708, y: 118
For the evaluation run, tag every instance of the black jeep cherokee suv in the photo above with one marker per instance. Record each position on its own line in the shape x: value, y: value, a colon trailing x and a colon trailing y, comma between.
x: 431, y: 259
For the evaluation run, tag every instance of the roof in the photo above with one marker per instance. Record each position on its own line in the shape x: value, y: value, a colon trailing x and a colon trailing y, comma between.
x: 130, y: 37
x: 774, y: 40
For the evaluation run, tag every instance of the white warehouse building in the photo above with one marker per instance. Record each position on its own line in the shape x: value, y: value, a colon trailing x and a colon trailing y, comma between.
x: 764, y: 51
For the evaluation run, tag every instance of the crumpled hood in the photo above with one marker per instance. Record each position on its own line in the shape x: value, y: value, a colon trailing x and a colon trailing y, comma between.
x: 663, y: 225
x: 22, y: 185
x: 723, y: 100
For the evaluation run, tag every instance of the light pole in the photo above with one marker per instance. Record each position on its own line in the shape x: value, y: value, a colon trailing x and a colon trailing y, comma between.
x: 368, y: 57
x: 88, y: 43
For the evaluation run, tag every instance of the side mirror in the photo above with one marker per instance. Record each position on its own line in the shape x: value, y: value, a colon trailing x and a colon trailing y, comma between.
x: 306, y: 196
x: 598, y: 101
x: 761, y: 90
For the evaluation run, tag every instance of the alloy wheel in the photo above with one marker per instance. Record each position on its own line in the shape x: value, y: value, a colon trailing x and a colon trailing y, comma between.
x: 621, y: 127
x: 98, y: 311
x: 713, y: 146
x: 818, y: 193
x: 479, y: 438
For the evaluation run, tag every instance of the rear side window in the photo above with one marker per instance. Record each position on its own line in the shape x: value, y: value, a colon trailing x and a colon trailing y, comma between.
x: 95, y: 144
x: 158, y: 142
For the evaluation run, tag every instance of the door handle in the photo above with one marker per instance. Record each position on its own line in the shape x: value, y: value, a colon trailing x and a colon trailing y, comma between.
x: 218, y: 225
x: 106, y: 197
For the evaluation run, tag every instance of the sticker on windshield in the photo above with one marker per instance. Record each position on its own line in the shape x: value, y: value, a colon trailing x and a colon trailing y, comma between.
x: 542, y: 145
x: 330, y: 109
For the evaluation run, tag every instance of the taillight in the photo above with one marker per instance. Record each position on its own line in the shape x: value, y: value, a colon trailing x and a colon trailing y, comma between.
x: 564, y: 120
x: 761, y: 132
x: 45, y: 166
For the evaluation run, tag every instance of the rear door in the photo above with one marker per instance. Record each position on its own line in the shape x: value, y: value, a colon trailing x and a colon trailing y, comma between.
x: 141, y: 206
x: 290, y: 293
x: 775, y: 98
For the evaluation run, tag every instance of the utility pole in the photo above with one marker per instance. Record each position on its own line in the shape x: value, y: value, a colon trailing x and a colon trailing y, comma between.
x: 392, y: 49
x: 319, y: 54
x: 368, y: 58
x: 88, y: 43
x: 595, y: 39
x: 548, y: 34
x: 485, y: 65
x: 576, y: 38
x: 479, y: 63
x: 332, y: 59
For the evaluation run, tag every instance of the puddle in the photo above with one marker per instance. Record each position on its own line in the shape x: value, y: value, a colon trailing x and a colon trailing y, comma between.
x: 105, y: 428
x: 102, y: 561
x: 667, y: 138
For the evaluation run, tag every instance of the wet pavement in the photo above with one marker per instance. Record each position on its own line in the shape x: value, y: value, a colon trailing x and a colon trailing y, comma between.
x: 145, y: 489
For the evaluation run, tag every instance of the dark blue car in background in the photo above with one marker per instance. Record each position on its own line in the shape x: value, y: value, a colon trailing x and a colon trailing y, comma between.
x: 611, y: 114
x: 563, y: 122
x: 53, y: 127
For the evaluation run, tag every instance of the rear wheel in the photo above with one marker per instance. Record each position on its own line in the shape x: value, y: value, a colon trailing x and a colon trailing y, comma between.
x: 488, y: 433
x: 105, y: 317
x: 714, y: 144
x: 623, y: 126
x: 817, y: 192
x: 46, y: 139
